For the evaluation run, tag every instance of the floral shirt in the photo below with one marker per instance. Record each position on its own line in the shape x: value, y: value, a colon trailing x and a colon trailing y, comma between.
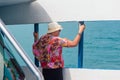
x: 48, y: 49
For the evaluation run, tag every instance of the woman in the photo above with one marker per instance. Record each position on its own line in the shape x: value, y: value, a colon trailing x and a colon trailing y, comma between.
x: 49, y: 48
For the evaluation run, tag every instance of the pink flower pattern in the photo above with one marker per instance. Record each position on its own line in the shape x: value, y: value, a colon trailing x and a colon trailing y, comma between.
x: 48, y: 50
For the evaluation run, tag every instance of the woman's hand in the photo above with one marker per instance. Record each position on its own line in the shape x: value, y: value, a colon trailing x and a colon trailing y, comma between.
x: 81, y: 26
x: 35, y: 35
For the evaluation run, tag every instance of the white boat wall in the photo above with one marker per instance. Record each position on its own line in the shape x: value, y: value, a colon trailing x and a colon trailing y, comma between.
x: 91, y: 74
x: 38, y: 11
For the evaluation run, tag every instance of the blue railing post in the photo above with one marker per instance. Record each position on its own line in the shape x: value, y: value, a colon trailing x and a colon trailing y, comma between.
x: 36, y: 29
x: 80, y: 52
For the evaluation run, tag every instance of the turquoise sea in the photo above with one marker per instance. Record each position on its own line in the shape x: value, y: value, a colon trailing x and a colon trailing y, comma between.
x: 101, y: 43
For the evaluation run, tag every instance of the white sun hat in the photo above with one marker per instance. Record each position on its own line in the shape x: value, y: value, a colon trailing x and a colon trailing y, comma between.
x: 54, y: 26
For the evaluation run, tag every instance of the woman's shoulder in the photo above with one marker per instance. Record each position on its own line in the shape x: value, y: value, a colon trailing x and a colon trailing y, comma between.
x: 45, y: 36
x: 60, y: 39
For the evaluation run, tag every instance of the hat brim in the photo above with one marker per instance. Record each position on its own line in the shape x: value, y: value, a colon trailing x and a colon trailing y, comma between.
x: 50, y: 31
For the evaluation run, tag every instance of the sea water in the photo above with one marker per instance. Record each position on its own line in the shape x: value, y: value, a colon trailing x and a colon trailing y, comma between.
x: 101, y: 43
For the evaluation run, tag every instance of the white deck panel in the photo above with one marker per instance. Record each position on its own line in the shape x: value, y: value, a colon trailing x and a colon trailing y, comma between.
x: 83, y: 74
x: 91, y: 74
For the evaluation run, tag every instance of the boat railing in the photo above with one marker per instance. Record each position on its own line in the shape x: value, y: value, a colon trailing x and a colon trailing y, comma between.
x: 21, y: 52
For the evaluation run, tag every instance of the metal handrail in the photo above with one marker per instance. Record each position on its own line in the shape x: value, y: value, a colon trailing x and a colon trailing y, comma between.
x: 21, y: 52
